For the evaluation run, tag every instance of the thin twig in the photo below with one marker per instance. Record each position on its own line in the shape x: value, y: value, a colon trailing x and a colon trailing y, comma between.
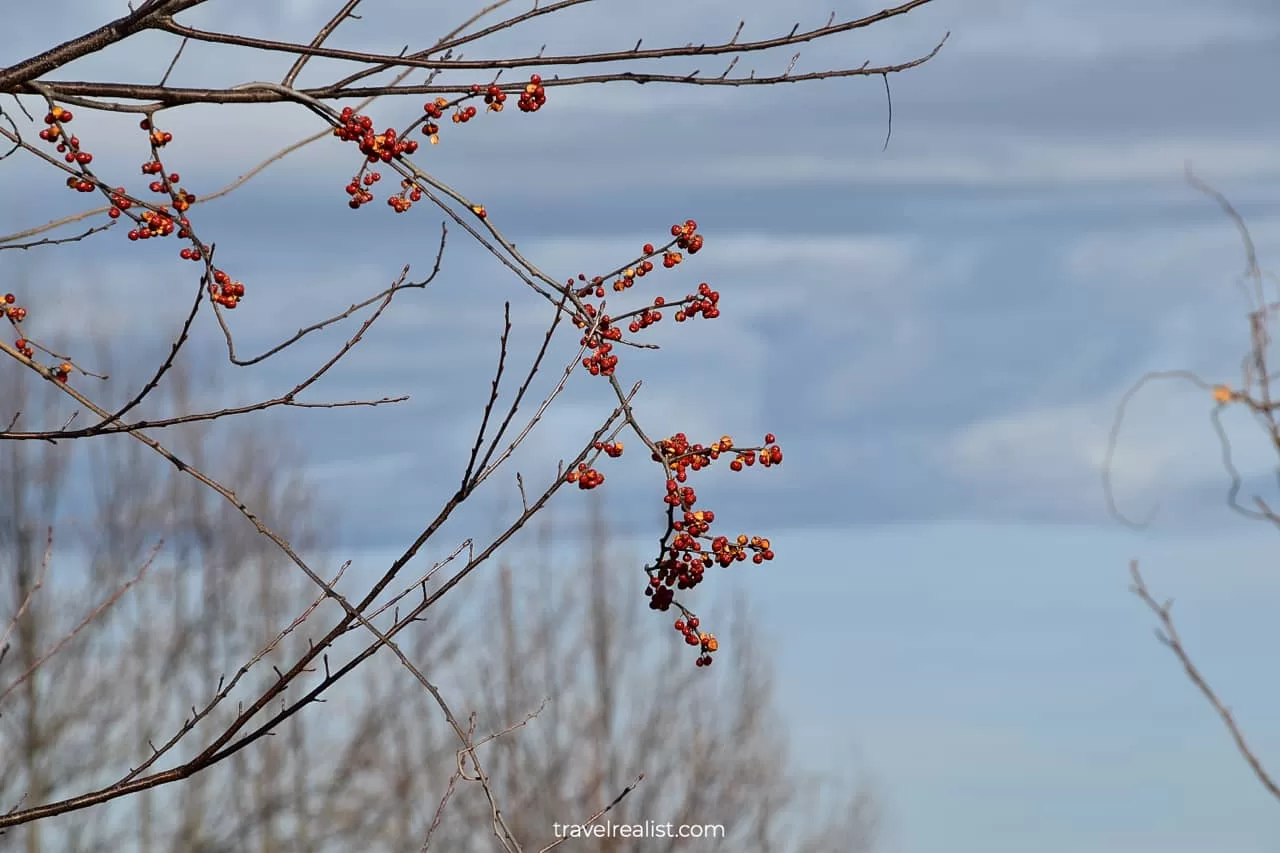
x: 88, y: 619
x: 595, y: 817
x: 1168, y: 635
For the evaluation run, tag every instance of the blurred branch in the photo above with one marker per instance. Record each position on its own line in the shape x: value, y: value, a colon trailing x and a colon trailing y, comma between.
x: 88, y: 619
x: 595, y: 817
x: 110, y: 423
x: 1255, y: 394
x: 50, y: 241
x: 26, y: 601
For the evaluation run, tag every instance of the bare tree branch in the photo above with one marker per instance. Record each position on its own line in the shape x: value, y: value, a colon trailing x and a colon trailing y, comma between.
x: 1168, y: 635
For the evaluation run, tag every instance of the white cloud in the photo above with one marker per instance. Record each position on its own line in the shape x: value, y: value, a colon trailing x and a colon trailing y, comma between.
x: 1162, y: 258
x: 1051, y: 451
x: 1097, y: 30
x: 1053, y: 454
x: 965, y: 160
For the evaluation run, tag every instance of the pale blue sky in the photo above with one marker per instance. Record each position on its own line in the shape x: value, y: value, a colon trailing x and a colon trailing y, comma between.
x: 939, y: 335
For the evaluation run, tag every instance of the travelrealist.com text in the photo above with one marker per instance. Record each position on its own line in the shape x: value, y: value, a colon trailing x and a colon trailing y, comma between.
x: 647, y: 829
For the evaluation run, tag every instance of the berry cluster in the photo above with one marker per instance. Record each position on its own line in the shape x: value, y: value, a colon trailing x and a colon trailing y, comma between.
x: 688, y: 548
x: 588, y: 477
x: 435, y: 111
x: 390, y: 145
x: 705, y: 304
x: 685, y: 238
x: 384, y: 147
x: 15, y: 314
x: 160, y: 222
x: 647, y: 316
x: 728, y: 552
x: 157, y: 137
x: 403, y: 200
x: 602, y: 361
x: 464, y: 115
x: 154, y: 224
x: 182, y: 200
x: 153, y: 221
x: 533, y: 96
x: 494, y: 96
x: 707, y: 643
x: 585, y: 476
x: 612, y: 449
x: 630, y: 274
x: 224, y: 291
x: 377, y: 148
x: 120, y: 202
x: 694, y: 457
x: 68, y: 146
x: 168, y: 219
